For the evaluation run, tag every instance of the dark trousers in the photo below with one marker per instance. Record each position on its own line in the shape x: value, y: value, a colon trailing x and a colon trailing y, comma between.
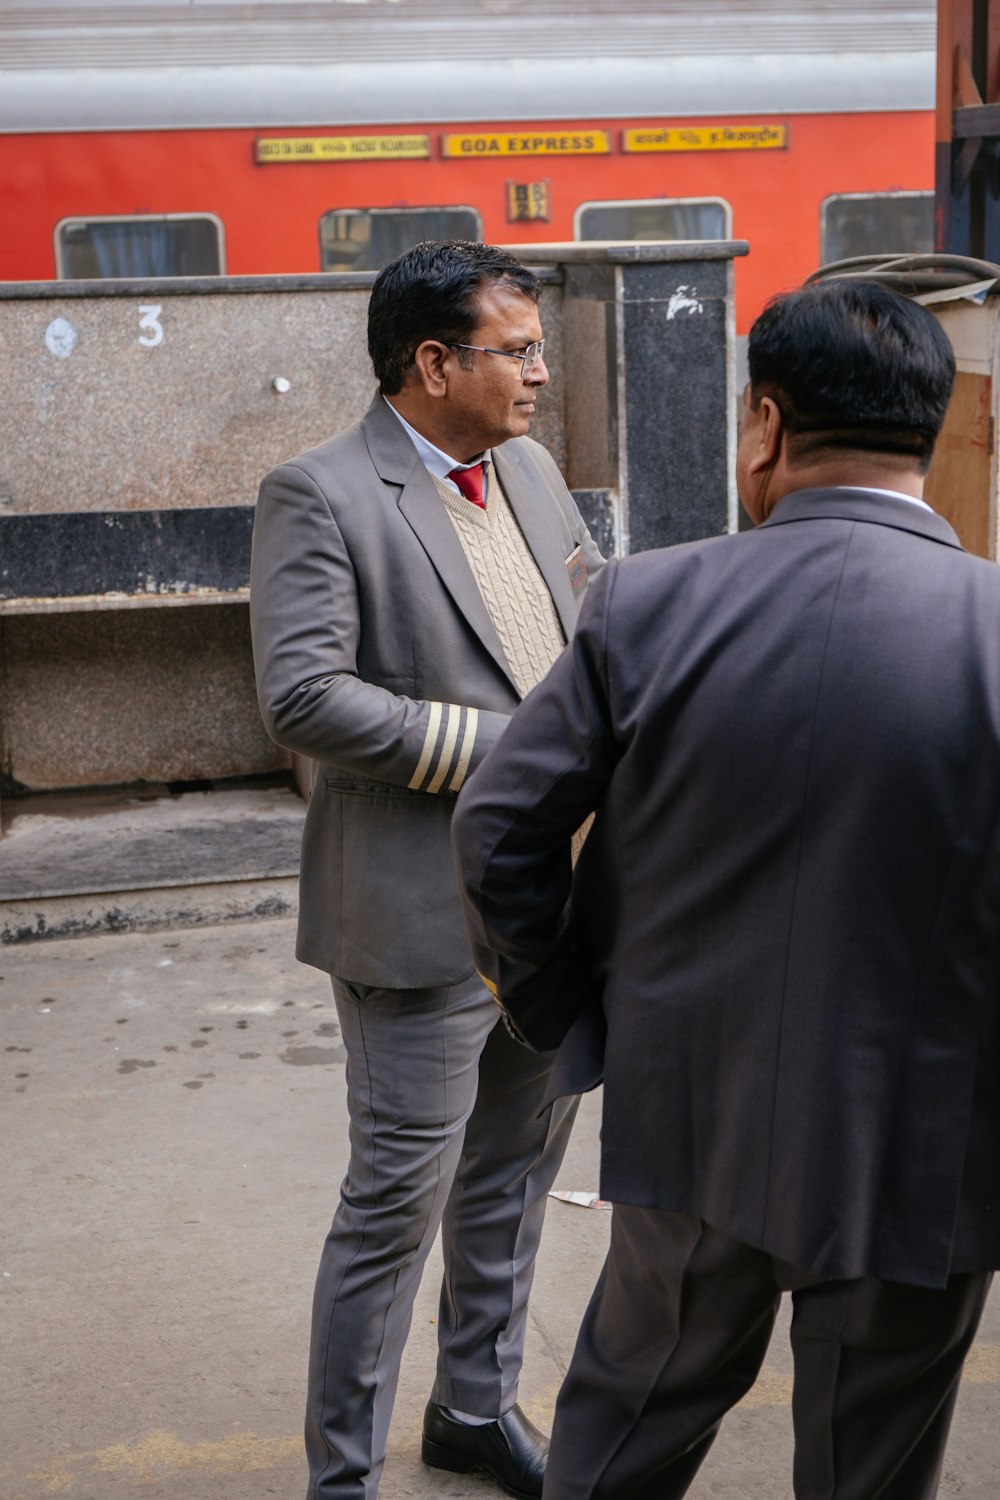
x: 676, y: 1333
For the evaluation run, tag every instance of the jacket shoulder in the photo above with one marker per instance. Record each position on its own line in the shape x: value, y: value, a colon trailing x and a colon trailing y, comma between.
x: 348, y: 444
x: 652, y: 566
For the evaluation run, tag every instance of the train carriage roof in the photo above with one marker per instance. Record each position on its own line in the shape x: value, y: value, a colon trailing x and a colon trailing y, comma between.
x: 151, y: 64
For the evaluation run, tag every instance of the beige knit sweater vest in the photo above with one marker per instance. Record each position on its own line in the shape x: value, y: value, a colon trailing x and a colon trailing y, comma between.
x: 513, y: 590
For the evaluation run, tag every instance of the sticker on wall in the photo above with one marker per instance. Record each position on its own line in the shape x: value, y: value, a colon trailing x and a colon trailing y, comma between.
x: 60, y: 338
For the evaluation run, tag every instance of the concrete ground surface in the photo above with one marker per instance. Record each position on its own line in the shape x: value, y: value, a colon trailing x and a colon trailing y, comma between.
x: 174, y: 1132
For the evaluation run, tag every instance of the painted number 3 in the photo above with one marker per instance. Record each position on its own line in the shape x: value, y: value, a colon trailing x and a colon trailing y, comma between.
x: 149, y: 321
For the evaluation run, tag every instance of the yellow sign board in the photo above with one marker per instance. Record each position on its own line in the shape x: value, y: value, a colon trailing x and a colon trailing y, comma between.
x: 529, y: 143
x: 708, y: 138
x: 288, y: 148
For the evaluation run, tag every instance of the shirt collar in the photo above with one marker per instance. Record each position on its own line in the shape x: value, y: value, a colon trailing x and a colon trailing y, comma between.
x: 859, y: 489
x: 434, y: 459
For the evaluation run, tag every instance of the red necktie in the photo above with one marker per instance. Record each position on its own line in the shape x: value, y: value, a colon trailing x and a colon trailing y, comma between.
x: 470, y: 482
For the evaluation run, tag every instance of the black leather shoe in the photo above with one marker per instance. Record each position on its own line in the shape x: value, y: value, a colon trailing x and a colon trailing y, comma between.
x: 511, y: 1449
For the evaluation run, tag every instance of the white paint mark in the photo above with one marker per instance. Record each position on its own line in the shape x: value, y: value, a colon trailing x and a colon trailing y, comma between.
x: 684, y: 300
x: 244, y: 1007
x: 150, y: 322
x: 60, y: 338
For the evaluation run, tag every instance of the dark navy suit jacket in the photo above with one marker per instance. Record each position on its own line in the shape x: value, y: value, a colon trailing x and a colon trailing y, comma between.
x: 783, y: 946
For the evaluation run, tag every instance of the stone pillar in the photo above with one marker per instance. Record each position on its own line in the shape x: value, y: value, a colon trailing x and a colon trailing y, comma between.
x: 648, y: 343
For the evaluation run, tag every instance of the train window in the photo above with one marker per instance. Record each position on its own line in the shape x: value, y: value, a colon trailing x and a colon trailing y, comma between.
x: 654, y: 219
x: 876, y: 224
x: 139, y: 245
x: 366, y: 239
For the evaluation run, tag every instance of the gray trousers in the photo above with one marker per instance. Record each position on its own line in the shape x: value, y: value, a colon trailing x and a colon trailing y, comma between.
x: 676, y: 1333
x: 445, y: 1131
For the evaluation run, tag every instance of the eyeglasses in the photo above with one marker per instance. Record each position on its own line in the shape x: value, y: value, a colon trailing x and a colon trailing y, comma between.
x: 529, y: 357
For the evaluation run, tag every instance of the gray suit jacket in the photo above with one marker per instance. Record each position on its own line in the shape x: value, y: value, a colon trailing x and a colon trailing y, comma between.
x: 787, y: 912
x: 376, y: 657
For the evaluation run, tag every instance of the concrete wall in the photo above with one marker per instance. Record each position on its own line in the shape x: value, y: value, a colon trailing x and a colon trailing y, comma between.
x: 157, y: 398
x: 141, y: 416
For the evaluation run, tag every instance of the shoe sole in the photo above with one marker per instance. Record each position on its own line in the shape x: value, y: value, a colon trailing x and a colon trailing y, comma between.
x: 437, y: 1457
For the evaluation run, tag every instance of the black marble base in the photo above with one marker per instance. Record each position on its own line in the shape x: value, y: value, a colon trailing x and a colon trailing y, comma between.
x: 148, y: 552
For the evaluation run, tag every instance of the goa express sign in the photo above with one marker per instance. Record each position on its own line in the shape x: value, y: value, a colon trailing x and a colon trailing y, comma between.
x: 586, y: 143
x: 520, y: 143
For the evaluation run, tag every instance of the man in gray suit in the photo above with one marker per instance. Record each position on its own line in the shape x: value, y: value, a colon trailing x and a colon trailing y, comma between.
x: 412, y: 579
x: 783, y: 946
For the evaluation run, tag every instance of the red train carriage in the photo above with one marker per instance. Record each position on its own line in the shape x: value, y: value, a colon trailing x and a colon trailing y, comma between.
x: 177, y: 138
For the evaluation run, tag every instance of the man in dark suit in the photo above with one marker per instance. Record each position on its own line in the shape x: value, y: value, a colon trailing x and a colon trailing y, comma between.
x: 412, y: 578
x: 783, y: 945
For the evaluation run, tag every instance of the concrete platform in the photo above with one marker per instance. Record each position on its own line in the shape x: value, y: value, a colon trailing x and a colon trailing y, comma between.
x: 172, y: 1112
x: 138, y: 859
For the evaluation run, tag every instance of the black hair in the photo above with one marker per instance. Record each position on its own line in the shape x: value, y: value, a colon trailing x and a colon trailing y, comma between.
x: 430, y: 292
x: 853, y: 365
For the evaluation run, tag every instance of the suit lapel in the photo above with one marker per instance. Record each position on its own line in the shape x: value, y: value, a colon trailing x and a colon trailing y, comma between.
x: 537, y: 520
x: 397, y: 463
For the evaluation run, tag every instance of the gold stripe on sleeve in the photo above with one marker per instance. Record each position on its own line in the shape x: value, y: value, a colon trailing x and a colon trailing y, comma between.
x: 465, y: 754
x: 489, y: 985
x: 447, y: 749
x: 430, y: 740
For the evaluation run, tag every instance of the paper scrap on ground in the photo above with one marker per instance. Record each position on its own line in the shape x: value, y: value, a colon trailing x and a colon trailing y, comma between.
x: 582, y: 1200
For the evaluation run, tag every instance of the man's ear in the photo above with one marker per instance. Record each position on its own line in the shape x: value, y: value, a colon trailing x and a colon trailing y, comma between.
x: 429, y: 361
x: 768, y: 435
